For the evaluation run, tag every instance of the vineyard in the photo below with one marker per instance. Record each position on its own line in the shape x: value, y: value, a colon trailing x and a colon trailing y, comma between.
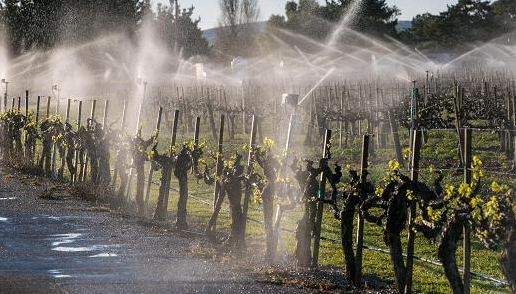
x: 406, y: 182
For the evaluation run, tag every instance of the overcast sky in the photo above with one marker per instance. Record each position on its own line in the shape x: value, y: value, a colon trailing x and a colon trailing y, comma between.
x: 208, y: 10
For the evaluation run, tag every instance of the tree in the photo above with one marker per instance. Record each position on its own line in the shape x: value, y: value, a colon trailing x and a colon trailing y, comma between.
x: 316, y: 21
x: 43, y: 24
x: 505, y: 14
x: 375, y: 17
x: 237, y: 26
x: 177, y: 29
x: 467, y: 22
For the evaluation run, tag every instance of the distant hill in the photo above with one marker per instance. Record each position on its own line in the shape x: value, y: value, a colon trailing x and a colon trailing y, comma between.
x: 211, y: 34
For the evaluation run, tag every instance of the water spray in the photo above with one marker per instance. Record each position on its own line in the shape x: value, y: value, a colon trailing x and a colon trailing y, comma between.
x: 317, y: 85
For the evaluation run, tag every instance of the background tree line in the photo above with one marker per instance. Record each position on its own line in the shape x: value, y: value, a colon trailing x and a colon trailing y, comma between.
x: 45, y: 24
x: 467, y: 22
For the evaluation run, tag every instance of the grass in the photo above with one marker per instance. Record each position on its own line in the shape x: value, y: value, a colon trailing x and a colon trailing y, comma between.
x: 440, y: 151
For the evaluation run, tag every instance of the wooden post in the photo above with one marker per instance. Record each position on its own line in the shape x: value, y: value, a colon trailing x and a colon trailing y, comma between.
x: 320, y: 202
x: 197, y: 130
x: 467, y: 229
x: 63, y: 159
x: 137, y: 132
x: 341, y: 140
x: 172, y: 143
x: 86, y: 160
x: 247, y: 193
x: 36, y: 123
x: 122, y: 129
x: 77, y: 160
x: 412, y: 211
x: 174, y: 128
x: 151, y: 170
x: 396, y: 138
x: 361, y: 222
x: 219, y: 159
x: 27, y: 103
x: 37, y: 110
x: 19, y: 103
x: 48, y: 106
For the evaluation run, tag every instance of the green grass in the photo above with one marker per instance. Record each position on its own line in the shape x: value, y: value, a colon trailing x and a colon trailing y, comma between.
x: 440, y: 151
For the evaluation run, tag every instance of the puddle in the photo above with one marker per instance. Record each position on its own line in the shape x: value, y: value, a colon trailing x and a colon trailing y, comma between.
x: 8, y: 198
x: 3, y: 219
x: 56, y: 273
x: 103, y: 255
x: 82, y: 249
x: 65, y: 238
x: 73, y: 249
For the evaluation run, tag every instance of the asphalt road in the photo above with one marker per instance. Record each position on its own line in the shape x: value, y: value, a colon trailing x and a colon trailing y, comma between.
x: 59, y: 246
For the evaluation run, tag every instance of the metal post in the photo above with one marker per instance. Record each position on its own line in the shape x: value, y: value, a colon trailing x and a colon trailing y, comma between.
x: 320, y: 202
x: 412, y: 212
x: 467, y: 229
x: 361, y: 222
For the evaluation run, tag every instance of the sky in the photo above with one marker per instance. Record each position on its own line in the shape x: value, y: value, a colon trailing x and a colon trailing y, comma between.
x: 208, y: 10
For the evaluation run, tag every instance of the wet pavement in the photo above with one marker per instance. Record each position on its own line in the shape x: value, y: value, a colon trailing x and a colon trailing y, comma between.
x: 49, y: 246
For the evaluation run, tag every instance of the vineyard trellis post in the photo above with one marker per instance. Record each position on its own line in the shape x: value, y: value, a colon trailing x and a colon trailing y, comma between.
x: 320, y: 201
x: 197, y: 131
x: 173, y: 138
x: 77, y: 152
x: 38, y: 102
x: 122, y: 129
x: 217, y: 198
x: 27, y: 115
x: 249, y: 171
x: 63, y: 158
x: 414, y: 176
x: 137, y: 132
x: 361, y: 222
x: 27, y: 103
x: 218, y: 170
x: 48, y: 106
x: 151, y: 170
x: 86, y: 160
x: 467, y: 228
